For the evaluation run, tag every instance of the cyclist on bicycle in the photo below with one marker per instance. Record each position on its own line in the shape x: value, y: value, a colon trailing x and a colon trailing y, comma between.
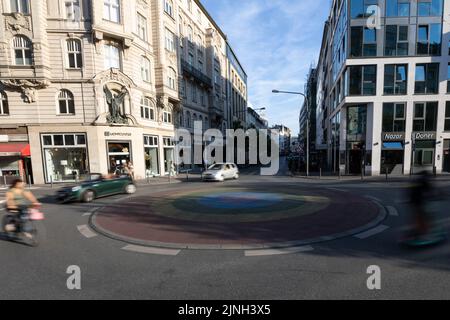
x: 18, y: 200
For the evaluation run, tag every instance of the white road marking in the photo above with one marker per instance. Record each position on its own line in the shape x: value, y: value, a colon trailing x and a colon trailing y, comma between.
x: 90, y: 212
x: 392, y: 211
x: 373, y: 198
x: 273, y: 252
x: 372, y: 232
x: 151, y: 250
x: 86, y: 231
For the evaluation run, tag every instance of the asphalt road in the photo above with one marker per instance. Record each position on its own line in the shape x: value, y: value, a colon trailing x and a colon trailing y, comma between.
x: 331, y: 270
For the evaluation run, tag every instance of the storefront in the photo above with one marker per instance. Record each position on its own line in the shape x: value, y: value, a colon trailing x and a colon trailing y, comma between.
x: 169, y: 155
x: 65, y: 156
x: 356, y: 156
x: 14, y: 161
x: 446, y: 157
x: 423, y: 151
x: 151, y: 153
x: 119, y: 154
x: 393, y: 153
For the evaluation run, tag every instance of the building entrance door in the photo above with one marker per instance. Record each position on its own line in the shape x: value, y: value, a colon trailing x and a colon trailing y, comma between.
x: 119, y: 153
x: 354, y: 161
x: 446, y: 162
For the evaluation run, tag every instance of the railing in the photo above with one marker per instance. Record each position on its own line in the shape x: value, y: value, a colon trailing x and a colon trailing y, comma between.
x: 197, y: 74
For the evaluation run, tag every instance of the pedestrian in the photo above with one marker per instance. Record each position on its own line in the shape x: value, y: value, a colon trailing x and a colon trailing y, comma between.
x: 130, y: 169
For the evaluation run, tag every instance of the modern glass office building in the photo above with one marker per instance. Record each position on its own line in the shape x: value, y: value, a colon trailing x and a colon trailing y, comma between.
x: 384, y: 87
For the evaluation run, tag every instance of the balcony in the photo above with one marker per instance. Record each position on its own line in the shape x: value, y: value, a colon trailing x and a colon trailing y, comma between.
x: 191, y: 71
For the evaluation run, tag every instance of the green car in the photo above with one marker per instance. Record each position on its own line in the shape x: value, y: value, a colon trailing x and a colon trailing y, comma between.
x: 96, y: 186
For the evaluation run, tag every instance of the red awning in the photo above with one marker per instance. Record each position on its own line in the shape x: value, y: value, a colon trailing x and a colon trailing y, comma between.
x: 14, y: 149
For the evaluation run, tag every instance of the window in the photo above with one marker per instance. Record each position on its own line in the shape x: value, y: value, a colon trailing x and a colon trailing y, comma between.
x: 429, y: 39
x: 112, y: 56
x: 4, y: 108
x: 66, y: 103
x: 363, y: 80
x: 363, y: 42
x: 20, y: 6
x: 397, y: 8
x: 448, y: 78
x: 394, y: 117
x: 170, y: 43
x: 171, y: 78
x: 447, y: 116
x: 111, y: 10
x: 183, y: 88
x: 189, y: 5
x: 426, y: 8
x: 427, y: 78
x: 168, y: 7
x: 147, y: 109
x: 22, y: 51
x: 142, y: 26
x: 395, y: 79
x: 75, y: 60
x: 167, y: 117
x: 190, y: 34
x: 145, y: 69
x: 362, y: 8
x: 396, y: 43
x: 425, y: 116
x: 73, y: 11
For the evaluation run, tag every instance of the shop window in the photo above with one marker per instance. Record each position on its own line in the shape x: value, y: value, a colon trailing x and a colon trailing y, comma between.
x: 425, y: 116
x: 65, y: 156
x: 151, y: 154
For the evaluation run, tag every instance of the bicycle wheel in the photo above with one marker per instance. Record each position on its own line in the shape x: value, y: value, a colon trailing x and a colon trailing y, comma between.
x: 29, y: 234
x: 7, y: 220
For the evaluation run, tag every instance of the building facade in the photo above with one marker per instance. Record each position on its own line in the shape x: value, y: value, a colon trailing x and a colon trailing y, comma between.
x: 285, y: 139
x: 87, y: 86
x: 383, y: 85
x: 255, y: 120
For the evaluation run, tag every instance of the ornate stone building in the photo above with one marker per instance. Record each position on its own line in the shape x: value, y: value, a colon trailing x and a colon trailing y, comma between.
x: 86, y: 86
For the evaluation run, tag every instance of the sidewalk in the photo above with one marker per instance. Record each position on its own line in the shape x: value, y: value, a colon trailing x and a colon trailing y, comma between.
x: 355, y: 178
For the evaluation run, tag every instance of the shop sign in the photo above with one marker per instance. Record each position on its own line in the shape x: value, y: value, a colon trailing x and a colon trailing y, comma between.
x: 117, y: 134
x: 424, y: 136
x: 393, y: 136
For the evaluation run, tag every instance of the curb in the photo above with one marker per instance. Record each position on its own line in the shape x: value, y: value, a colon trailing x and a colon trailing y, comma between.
x: 382, y: 215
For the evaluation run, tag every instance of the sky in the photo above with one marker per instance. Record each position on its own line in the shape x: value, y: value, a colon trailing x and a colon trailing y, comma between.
x: 277, y: 41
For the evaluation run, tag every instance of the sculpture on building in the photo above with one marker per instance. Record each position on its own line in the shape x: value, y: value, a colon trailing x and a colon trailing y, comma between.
x: 27, y: 87
x: 115, y: 103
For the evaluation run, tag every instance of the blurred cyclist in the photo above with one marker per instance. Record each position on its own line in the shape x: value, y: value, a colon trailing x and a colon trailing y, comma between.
x: 18, y: 200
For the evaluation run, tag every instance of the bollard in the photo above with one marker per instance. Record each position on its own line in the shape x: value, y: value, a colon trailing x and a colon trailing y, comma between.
x: 187, y: 175
x: 320, y: 173
x: 29, y: 182
x: 4, y: 180
x: 386, y: 174
x: 51, y: 181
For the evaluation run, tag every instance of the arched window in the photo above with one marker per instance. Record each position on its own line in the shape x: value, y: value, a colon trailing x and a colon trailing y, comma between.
x: 145, y: 69
x: 22, y: 51
x: 66, y: 102
x: 4, y: 108
x: 147, y: 109
x: 171, y: 78
x: 74, y: 56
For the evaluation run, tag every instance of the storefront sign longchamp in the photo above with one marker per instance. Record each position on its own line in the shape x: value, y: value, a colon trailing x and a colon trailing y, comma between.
x: 117, y: 134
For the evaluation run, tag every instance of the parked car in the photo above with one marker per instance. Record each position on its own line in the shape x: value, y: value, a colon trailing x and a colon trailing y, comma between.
x: 221, y: 172
x: 96, y: 186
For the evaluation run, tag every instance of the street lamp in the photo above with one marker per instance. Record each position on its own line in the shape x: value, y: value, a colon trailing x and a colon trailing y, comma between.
x: 307, y: 122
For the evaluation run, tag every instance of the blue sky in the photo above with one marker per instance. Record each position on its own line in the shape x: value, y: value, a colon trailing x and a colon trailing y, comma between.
x: 276, y: 41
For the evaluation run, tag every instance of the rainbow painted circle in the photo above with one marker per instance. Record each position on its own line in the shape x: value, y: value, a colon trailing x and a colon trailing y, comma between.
x: 239, y: 200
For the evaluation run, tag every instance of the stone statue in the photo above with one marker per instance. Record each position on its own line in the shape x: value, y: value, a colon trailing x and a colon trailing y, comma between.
x: 115, y: 103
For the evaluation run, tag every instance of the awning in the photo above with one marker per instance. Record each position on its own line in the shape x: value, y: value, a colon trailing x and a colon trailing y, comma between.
x: 392, y: 146
x: 14, y: 149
